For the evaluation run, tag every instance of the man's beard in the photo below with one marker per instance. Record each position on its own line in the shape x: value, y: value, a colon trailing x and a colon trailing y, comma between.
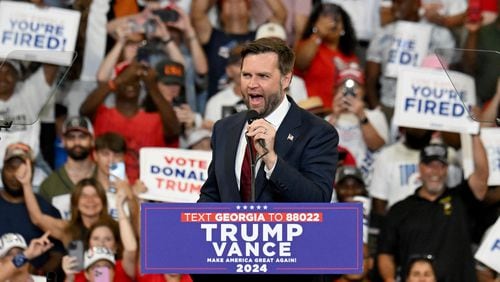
x: 271, y: 102
x: 80, y: 155
x: 15, y: 193
x: 435, y: 189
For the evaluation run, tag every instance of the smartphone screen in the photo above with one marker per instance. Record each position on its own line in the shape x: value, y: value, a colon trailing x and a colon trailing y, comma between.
x: 75, y: 249
x: 117, y: 171
x: 101, y: 274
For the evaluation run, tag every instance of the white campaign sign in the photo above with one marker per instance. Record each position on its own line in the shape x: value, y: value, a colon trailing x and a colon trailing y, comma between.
x: 489, y: 137
x: 173, y: 175
x: 409, y: 46
x: 426, y: 98
x: 489, y: 250
x: 42, y: 34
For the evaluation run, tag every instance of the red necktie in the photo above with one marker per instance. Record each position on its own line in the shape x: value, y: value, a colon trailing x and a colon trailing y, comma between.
x: 246, y: 176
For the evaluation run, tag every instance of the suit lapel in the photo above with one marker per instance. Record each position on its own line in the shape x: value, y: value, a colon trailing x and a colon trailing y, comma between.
x: 288, y: 131
x: 287, y: 134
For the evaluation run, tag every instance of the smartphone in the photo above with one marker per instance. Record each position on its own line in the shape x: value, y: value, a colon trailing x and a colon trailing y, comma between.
x: 101, y: 274
x: 117, y: 171
x: 75, y: 249
x: 179, y: 100
x: 51, y: 276
x: 349, y: 87
x: 167, y: 15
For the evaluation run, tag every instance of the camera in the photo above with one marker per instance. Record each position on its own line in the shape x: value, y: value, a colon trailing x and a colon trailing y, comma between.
x: 167, y: 15
x: 151, y: 52
x: 230, y: 110
x: 349, y: 87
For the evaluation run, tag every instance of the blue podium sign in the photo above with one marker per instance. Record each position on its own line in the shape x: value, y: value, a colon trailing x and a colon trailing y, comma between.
x: 258, y: 238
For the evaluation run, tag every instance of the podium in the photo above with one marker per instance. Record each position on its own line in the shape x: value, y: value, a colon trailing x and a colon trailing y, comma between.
x: 252, y: 238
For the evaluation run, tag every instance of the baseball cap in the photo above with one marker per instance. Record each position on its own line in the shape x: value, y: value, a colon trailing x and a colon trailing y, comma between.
x: 271, y: 30
x: 170, y: 72
x: 434, y: 152
x: 346, y: 171
x: 96, y: 254
x: 18, y: 150
x: 78, y: 123
x: 11, y: 240
x: 352, y: 72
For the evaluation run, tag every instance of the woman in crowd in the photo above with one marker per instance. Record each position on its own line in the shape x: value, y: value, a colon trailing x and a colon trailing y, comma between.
x: 328, y: 42
x: 117, y: 237
x: 421, y: 269
x: 88, y: 205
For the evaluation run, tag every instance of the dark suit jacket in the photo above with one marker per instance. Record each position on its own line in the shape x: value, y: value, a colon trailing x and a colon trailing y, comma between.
x: 306, y: 147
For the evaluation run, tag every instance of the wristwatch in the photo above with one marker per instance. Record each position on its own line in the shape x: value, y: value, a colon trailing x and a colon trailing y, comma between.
x: 19, y: 260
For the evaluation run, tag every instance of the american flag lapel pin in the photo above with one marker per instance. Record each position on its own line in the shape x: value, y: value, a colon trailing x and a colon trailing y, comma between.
x: 290, y: 137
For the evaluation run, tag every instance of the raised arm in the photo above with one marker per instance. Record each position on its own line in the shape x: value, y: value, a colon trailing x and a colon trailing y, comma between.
x: 45, y: 222
x: 127, y: 235
x: 95, y: 99
x: 478, y: 181
x: 191, y: 41
x: 279, y: 11
x: 492, y: 111
x: 171, y: 49
x: 171, y: 125
x: 36, y: 247
x: 387, y: 267
x: 305, y: 52
x: 200, y: 20
x: 105, y: 71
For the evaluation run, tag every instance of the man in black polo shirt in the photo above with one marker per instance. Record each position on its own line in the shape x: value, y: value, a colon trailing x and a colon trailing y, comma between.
x: 435, y: 220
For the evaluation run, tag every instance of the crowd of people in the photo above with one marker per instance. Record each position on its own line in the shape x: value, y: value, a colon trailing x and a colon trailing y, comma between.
x: 163, y: 73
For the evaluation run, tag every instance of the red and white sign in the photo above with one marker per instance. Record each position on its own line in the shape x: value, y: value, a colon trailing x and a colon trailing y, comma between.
x: 173, y: 175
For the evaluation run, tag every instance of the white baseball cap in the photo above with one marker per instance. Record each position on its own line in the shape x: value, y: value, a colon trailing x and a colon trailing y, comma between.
x: 96, y: 254
x: 11, y: 240
x: 271, y: 30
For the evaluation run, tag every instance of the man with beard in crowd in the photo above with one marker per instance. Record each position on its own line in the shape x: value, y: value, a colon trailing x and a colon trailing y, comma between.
x: 14, y: 216
x: 78, y: 141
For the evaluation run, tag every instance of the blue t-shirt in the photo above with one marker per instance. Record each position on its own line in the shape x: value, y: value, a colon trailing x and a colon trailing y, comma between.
x: 14, y: 218
x: 217, y: 50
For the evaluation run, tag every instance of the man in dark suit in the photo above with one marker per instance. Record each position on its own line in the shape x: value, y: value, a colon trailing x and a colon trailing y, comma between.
x: 297, y: 151
x: 299, y: 156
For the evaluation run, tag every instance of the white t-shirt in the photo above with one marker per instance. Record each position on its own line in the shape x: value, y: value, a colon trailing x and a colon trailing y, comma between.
x: 449, y: 7
x: 23, y: 108
x: 224, y: 98
x: 351, y: 138
x: 298, y: 89
x: 396, y: 176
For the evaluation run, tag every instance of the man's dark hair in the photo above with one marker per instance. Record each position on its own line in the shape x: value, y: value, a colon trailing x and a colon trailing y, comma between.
x: 112, y: 141
x: 286, y: 57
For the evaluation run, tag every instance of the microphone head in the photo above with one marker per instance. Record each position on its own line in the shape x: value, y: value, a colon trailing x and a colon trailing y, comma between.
x: 252, y: 115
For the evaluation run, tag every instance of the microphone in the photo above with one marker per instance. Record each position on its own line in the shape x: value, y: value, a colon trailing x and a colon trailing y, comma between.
x: 251, y: 116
